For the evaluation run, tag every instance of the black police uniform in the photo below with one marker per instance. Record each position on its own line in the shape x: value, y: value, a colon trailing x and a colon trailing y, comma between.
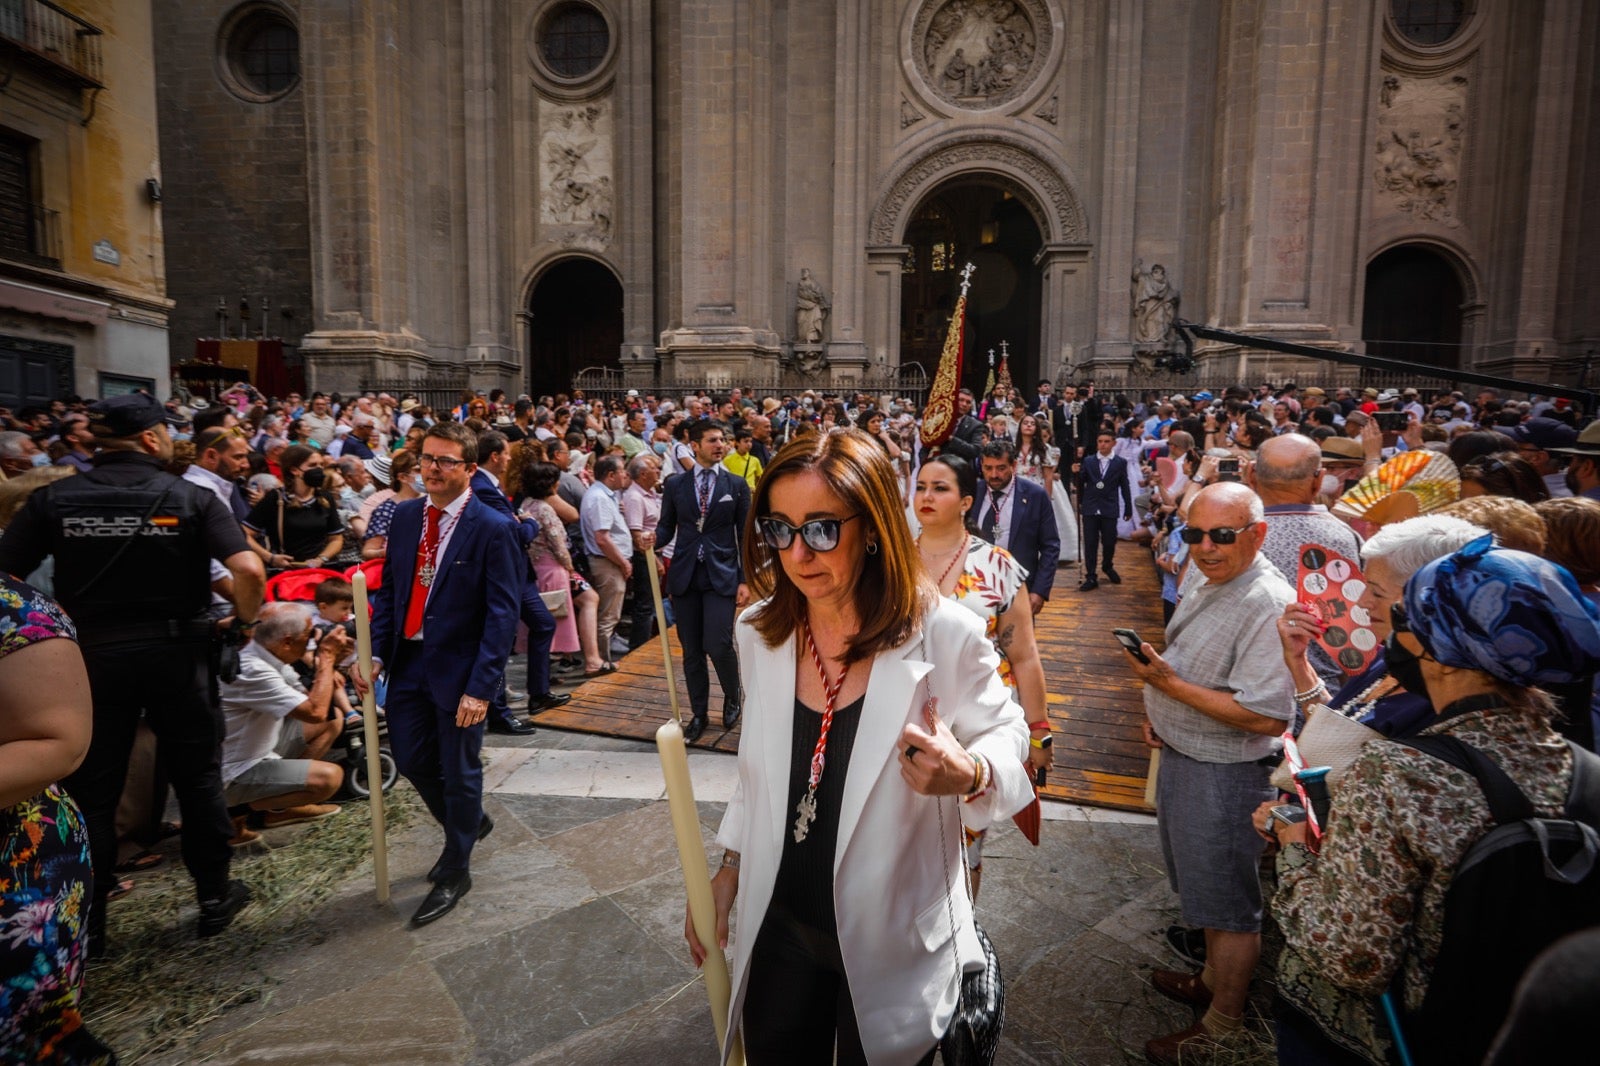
x: 133, y: 547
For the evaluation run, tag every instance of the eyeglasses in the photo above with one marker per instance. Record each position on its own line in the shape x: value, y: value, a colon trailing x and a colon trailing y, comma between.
x: 1221, y: 536
x: 820, y: 534
x: 443, y: 462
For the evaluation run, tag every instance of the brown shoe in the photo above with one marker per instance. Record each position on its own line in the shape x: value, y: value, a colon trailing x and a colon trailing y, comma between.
x: 306, y: 812
x: 242, y: 833
x: 1182, y: 986
x: 1187, y: 1047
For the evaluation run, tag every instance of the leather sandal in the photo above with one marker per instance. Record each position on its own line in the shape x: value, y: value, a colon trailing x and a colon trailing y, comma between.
x: 1183, y: 987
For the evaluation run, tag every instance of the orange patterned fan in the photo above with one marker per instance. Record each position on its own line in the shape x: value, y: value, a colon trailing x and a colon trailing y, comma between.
x: 1410, y: 484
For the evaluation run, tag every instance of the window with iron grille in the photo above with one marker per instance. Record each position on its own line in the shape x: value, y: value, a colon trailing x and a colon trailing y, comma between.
x: 573, y: 40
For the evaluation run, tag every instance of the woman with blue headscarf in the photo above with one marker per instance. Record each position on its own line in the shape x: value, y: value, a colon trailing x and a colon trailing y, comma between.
x: 1480, y: 632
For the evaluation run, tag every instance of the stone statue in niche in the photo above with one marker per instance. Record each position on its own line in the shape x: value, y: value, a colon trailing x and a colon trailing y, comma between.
x: 1155, y: 306
x: 1418, y: 152
x: 978, y: 53
x: 811, y: 309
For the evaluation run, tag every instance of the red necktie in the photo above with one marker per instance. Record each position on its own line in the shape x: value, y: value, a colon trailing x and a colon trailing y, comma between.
x: 427, y: 551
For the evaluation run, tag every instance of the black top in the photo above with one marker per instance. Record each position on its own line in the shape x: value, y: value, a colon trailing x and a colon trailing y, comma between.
x: 805, y: 874
x: 305, y: 529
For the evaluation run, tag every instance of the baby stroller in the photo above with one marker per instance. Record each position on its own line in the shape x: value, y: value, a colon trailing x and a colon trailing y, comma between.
x: 350, y: 750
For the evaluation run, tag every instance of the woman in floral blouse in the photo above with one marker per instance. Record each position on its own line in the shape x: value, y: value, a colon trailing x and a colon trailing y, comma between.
x: 1478, y: 632
x: 45, y: 721
x: 986, y: 580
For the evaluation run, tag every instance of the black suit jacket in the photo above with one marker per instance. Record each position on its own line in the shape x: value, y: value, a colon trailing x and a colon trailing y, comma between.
x: 1035, y: 541
x: 1060, y: 420
x: 1102, y: 502
x: 719, y: 534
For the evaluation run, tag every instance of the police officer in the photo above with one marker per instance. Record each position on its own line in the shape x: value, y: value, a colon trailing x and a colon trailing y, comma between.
x: 132, y: 546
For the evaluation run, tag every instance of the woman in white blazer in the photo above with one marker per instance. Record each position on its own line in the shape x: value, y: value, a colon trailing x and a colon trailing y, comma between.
x: 847, y: 869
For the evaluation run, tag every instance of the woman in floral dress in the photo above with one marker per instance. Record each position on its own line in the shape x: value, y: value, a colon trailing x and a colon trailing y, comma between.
x: 987, y: 581
x: 45, y: 876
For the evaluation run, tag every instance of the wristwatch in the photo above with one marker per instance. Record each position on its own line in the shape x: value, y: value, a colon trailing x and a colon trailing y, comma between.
x: 1047, y: 741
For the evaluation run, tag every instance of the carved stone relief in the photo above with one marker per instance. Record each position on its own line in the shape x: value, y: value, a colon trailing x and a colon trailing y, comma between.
x: 1064, y: 219
x: 1048, y: 111
x: 909, y: 115
x: 576, y: 186
x: 1417, y: 157
x: 980, y: 54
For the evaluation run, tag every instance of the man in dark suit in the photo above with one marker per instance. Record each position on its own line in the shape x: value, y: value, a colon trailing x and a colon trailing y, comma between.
x: 1087, y: 421
x: 443, y: 623
x: 1016, y: 515
x: 970, y: 434
x: 1055, y: 408
x: 1102, y: 478
x: 494, y: 459
x: 702, y: 516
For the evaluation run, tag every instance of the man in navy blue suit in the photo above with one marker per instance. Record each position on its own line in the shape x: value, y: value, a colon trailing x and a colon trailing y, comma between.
x: 444, y: 619
x: 702, y: 516
x: 494, y: 459
x: 1015, y: 514
x: 1101, y: 480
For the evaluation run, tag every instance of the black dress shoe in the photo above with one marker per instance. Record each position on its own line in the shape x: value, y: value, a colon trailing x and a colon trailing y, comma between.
x: 549, y: 701
x: 511, y: 727
x: 696, y: 726
x: 730, y: 714
x: 217, y: 914
x: 485, y: 827
x: 1089, y: 585
x: 1113, y: 577
x: 442, y: 898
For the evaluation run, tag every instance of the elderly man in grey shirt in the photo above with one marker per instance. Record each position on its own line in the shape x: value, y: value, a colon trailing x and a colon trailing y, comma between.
x: 1215, y: 701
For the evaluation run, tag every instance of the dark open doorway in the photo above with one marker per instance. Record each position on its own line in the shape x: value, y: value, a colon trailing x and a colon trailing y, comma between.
x: 978, y: 221
x: 575, y: 321
x: 1413, y: 307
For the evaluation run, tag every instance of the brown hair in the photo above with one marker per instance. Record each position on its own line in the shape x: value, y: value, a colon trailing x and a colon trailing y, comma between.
x: 457, y: 433
x: 893, y: 592
x: 1514, y: 524
x: 1572, y: 535
x: 402, y: 464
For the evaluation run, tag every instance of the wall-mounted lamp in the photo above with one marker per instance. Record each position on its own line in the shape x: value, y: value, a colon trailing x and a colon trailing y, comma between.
x: 152, y: 189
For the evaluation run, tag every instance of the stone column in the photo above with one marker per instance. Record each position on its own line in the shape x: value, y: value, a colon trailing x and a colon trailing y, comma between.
x: 491, y: 355
x: 1066, y: 297
x: 852, y: 194
x: 635, y: 150
x: 1124, y: 29
x: 883, y: 284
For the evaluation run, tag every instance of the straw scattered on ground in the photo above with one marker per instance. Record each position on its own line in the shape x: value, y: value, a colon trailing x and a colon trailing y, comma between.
x: 161, y: 983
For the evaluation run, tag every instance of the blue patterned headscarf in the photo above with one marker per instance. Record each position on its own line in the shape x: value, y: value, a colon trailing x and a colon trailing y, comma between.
x: 1516, y: 616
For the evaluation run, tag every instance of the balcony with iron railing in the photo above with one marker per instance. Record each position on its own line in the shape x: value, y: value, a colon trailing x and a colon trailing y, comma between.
x: 30, y: 234
x: 53, y: 40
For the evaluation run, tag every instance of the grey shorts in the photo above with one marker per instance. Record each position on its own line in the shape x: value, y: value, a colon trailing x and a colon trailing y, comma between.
x: 274, y: 777
x: 1212, y: 850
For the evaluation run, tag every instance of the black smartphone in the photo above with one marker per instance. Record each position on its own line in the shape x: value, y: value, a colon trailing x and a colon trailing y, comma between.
x: 1039, y: 777
x: 1393, y: 421
x: 1130, y: 640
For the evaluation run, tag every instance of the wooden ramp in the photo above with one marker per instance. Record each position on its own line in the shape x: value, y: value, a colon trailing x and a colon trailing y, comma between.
x: 1095, y: 703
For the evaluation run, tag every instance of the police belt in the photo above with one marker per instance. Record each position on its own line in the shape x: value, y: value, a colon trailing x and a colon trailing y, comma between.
x: 198, y: 628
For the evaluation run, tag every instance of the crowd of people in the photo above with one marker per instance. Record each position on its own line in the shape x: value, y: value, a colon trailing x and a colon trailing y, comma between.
x: 806, y: 543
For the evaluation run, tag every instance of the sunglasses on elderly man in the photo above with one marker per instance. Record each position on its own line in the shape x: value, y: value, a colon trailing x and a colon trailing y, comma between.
x: 820, y: 534
x: 1221, y: 536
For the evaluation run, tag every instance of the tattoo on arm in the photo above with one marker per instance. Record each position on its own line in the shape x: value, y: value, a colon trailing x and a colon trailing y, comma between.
x: 1004, y: 638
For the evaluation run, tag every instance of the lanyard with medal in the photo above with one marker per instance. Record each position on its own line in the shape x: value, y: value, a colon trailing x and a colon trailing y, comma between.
x: 806, y: 809
x: 430, y: 552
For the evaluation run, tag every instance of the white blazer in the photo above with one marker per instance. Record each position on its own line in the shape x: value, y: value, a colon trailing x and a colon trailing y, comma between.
x: 891, y: 866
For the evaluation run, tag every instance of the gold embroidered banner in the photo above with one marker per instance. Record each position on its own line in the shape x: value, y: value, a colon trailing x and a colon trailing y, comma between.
x: 940, y: 416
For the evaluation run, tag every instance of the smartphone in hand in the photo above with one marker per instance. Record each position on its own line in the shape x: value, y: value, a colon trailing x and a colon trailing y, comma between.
x: 1130, y: 640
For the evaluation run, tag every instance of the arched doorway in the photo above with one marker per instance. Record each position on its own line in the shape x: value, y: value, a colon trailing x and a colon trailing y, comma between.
x: 979, y: 220
x: 1413, y: 306
x: 574, y: 322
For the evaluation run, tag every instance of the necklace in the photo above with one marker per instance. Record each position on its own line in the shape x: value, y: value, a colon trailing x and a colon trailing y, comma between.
x: 1368, y: 698
x: 959, y: 552
x: 806, y: 809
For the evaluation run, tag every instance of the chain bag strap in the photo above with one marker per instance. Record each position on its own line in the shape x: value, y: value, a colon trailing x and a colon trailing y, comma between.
x: 973, y: 1037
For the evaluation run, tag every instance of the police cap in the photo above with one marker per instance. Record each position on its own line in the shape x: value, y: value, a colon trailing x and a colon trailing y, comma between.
x: 123, y: 416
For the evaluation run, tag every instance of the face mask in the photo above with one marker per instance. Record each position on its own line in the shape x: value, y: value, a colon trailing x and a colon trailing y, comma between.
x: 416, y: 483
x: 1404, y: 666
x: 1331, y: 485
x: 660, y: 447
x: 314, y: 478
x: 40, y: 459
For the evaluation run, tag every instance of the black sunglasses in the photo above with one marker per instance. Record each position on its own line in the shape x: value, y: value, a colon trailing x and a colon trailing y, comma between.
x: 819, y: 534
x: 1222, y: 535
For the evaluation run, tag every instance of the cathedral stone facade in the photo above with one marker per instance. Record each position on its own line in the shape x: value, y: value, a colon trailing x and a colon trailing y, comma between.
x: 506, y: 192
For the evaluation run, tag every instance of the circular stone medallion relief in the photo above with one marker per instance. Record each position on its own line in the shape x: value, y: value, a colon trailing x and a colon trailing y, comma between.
x: 980, y: 54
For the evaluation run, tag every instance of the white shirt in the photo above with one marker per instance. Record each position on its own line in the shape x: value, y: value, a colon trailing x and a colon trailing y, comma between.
x: 254, y: 706
x: 448, y: 521
x: 199, y: 475
x: 1008, y: 513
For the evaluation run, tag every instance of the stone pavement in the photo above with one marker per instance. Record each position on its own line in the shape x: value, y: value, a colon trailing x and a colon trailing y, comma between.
x: 569, y: 949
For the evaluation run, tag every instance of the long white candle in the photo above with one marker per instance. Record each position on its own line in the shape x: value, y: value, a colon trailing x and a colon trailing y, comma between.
x: 369, y: 726
x: 686, y: 829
